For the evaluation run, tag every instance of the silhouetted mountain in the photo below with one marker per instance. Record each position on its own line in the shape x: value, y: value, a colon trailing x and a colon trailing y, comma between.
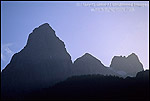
x: 97, y: 87
x: 128, y: 65
x: 88, y: 64
x: 43, y: 62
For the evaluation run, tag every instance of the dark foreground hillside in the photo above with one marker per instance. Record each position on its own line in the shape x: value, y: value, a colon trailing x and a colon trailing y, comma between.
x: 96, y: 87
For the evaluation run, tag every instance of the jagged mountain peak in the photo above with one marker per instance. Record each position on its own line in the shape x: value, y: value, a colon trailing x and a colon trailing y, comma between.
x: 133, y: 55
x: 42, y: 62
x: 44, y: 26
x: 131, y: 64
x: 42, y: 35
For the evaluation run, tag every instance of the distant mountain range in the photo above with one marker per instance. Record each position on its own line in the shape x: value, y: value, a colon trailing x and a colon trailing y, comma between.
x: 44, y: 61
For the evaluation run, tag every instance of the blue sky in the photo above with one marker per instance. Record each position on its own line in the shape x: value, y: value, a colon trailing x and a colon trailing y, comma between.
x: 103, y: 34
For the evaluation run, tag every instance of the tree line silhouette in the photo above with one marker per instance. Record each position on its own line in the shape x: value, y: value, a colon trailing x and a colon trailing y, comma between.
x: 95, y: 86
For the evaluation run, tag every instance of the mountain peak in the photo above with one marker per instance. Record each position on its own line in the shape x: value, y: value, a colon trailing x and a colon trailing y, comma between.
x: 133, y: 55
x: 41, y: 35
x: 44, y: 27
x: 45, y: 24
x: 87, y: 54
x: 86, y: 57
x: 43, y: 61
x: 131, y: 64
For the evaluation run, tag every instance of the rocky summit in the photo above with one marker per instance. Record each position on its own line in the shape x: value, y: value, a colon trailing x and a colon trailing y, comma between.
x: 41, y: 63
x: 130, y: 65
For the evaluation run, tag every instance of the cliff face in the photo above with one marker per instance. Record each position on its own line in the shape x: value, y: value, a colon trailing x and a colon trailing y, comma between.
x: 129, y: 65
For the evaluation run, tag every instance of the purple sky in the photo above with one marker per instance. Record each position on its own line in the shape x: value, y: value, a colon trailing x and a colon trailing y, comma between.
x: 103, y: 34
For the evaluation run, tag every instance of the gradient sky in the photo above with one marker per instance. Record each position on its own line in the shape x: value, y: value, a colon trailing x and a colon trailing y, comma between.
x: 103, y: 34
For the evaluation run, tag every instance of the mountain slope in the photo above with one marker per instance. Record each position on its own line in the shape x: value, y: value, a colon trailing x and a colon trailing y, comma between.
x: 43, y: 62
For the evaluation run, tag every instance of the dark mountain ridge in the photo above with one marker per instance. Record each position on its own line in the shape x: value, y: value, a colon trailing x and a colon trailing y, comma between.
x: 44, y: 61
